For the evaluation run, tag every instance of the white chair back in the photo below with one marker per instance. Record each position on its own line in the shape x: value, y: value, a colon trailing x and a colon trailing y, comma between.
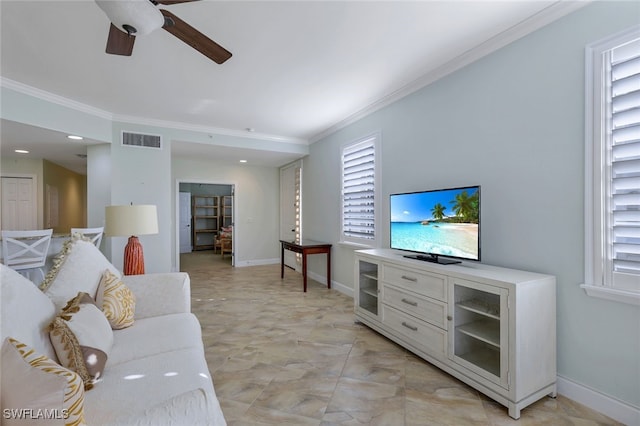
x: 26, y: 250
x: 94, y: 233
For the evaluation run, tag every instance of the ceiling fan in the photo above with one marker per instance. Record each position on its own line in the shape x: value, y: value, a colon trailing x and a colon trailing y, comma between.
x: 132, y: 18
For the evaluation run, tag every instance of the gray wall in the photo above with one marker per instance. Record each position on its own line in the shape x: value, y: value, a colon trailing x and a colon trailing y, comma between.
x: 512, y: 122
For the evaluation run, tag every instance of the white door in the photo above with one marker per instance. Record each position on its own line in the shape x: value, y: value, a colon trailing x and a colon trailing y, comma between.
x: 290, y: 208
x: 19, y: 206
x: 185, y: 222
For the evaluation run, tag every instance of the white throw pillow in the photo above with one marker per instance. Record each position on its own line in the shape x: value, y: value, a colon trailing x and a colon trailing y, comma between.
x: 77, y: 268
x: 36, y: 390
x: 26, y: 312
x: 82, y: 338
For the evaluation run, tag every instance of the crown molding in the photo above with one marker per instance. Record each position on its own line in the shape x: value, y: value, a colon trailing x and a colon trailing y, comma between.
x: 53, y: 98
x: 209, y: 130
x: 544, y: 17
x: 88, y: 109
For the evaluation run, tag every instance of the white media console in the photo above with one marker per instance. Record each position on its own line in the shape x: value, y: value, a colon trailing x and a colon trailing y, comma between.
x: 492, y: 328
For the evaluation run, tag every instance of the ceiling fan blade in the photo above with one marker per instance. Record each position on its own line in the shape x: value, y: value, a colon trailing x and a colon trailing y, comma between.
x: 170, y: 2
x: 119, y: 43
x: 194, y: 38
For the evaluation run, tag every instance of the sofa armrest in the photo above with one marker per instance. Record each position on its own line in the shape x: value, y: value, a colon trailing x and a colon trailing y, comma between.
x: 160, y: 293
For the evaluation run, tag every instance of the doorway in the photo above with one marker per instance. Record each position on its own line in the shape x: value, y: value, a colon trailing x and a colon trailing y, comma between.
x: 205, y: 222
x: 19, y: 203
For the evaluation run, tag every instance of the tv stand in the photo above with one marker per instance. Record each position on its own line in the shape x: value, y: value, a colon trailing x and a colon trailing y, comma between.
x: 433, y: 258
x: 492, y: 328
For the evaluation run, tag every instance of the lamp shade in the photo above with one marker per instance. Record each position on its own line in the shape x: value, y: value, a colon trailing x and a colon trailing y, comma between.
x: 124, y: 221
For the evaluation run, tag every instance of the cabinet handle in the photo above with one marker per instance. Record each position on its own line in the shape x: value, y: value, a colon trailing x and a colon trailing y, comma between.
x: 412, y: 279
x: 449, y: 317
x: 410, y: 327
x: 410, y: 302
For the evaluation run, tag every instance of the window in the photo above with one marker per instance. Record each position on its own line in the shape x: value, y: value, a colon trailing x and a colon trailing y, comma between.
x: 612, y: 195
x: 360, y: 161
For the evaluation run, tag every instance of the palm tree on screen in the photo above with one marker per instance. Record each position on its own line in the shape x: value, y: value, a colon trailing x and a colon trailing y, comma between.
x: 438, y: 211
x: 463, y: 205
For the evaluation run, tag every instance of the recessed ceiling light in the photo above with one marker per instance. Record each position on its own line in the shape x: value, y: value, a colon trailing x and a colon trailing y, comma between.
x: 243, y: 161
x: 75, y: 138
x: 21, y: 151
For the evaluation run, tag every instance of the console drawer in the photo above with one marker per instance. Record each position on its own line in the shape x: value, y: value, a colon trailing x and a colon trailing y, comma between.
x: 429, y: 310
x: 424, y: 336
x: 430, y: 285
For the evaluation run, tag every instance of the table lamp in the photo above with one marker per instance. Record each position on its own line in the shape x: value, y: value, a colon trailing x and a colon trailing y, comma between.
x: 131, y: 221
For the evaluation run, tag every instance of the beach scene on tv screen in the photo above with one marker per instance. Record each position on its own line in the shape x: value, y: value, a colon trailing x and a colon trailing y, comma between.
x: 439, y: 222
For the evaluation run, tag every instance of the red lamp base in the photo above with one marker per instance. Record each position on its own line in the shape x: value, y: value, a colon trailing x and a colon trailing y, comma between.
x: 133, y: 257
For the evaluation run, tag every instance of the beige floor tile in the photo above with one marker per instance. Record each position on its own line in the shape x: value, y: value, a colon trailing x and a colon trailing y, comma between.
x: 280, y: 356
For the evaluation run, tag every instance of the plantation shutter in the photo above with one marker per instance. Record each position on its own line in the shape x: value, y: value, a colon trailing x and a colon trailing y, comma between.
x: 624, y: 199
x: 358, y: 191
x: 298, y: 205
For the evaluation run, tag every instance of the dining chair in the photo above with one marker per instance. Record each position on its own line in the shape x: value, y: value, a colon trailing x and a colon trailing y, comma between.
x: 26, y: 251
x: 95, y: 234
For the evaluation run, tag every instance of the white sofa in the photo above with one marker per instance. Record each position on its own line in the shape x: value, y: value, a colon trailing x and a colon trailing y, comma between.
x: 156, y: 372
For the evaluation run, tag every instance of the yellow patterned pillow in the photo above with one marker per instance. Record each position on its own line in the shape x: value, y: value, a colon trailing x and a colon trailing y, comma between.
x: 35, y: 388
x: 116, y: 300
x: 82, y: 338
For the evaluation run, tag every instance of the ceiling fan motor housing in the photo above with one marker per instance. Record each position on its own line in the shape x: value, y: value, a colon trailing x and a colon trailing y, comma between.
x: 135, y: 17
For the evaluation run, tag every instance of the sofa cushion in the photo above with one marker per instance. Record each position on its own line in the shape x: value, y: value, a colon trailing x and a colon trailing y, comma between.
x: 31, y: 381
x: 160, y: 293
x: 26, y: 323
x: 82, y: 338
x: 129, y: 390
x: 77, y: 268
x: 116, y: 301
x: 150, y: 336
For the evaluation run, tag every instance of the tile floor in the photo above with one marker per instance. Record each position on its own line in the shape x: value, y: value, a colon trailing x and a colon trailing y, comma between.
x: 280, y: 356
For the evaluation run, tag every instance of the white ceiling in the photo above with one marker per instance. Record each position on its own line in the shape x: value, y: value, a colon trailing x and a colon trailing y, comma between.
x: 299, y: 68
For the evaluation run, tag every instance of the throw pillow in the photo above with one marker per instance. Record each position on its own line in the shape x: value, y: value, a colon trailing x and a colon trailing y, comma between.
x: 82, y: 338
x: 78, y: 267
x: 34, y: 386
x: 116, y: 300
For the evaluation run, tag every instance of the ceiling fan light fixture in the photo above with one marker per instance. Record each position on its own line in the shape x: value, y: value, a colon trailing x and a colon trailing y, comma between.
x: 140, y: 15
x: 129, y: 29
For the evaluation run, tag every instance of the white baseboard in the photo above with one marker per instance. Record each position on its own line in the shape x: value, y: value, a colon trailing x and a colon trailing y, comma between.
x: 335, y: 285
x: 317, y: 277
x: 611, y: 407
x: 256, y: 262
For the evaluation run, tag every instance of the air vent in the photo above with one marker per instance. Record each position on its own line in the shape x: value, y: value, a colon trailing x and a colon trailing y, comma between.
x: 141, y: 140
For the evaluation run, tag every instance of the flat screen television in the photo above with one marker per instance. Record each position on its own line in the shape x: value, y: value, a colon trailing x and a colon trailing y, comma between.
x: 440, y: 226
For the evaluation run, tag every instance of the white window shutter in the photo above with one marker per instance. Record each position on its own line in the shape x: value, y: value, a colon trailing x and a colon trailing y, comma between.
x: 624, y: 198
x: 358, y: 191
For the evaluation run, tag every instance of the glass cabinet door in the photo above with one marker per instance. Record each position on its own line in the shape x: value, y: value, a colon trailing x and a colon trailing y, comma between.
x: 479, y: 337
x: 368, y: 287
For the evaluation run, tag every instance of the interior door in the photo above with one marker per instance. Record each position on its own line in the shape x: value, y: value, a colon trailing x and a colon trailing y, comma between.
x: 185, y: 222
x: 290, y: 208
x: 19, y: 207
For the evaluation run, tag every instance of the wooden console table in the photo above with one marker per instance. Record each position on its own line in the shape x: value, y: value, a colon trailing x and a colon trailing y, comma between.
x: 306, y: 247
